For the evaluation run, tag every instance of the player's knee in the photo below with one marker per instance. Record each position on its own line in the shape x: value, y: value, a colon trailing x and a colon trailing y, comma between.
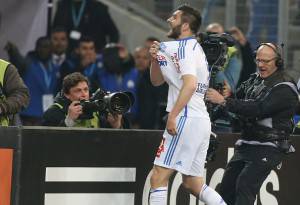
x: 187, y: 186
x: 157, y: 179
x: 194, y: 187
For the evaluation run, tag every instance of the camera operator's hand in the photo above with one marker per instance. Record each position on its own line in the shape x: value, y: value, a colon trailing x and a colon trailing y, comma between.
x: 226, y: 92
x: 115, y: 121
x: 154, y: 49
x: 214, y: 96
x: 74, y: 110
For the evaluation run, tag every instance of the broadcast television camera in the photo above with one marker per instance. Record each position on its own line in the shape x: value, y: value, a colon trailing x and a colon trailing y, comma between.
x: 215, y: 47
x: 106, y: 102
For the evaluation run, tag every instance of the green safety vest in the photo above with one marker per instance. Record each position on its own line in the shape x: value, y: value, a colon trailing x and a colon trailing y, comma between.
x: 231, y: 52
x: 4, y: 121
x: 89, y: 123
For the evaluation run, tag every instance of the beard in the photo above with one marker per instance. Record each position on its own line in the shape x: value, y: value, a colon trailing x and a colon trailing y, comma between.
x: 175, y: 32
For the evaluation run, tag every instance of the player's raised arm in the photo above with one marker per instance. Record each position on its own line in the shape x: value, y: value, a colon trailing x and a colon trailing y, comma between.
x: 156, y: 76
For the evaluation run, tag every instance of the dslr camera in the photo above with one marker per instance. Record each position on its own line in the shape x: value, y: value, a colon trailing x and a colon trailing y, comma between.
x: 106, y: 102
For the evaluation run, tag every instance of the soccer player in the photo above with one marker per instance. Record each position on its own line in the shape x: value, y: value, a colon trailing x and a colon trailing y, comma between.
x: 182, y: 64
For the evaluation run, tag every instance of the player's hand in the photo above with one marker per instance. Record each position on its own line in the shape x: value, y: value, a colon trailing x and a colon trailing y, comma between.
x: 171, y: 125
x: 74, y: 110
x: 154, y: 48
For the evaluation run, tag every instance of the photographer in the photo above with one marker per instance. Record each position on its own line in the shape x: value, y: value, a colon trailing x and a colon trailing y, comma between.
x: 67, y: 109
x: 265, y: 105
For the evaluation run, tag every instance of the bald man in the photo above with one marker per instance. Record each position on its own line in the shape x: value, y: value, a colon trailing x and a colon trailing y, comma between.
x: 141, y: 58
x: 265, y: 104
x: 215, y: 28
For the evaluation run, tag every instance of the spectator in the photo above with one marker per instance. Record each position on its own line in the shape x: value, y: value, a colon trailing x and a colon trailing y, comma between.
x: 248, y: 63
x: 152, y: 100
x: 16, y: 58
x: 68, y: 112
x: 86, y: 18
x: 41, y: 79
x: 86, y: 63
x: 59, y: 40
x: 14, y: 94
x: 60, y: 58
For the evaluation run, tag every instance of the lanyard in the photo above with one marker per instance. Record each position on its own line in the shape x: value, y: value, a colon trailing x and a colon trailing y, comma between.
x: 77, y: 17
x: 47, y: 75
x: 90, y: 70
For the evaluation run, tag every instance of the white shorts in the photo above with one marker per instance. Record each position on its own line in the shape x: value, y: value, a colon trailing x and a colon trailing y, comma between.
x: 185, y: 152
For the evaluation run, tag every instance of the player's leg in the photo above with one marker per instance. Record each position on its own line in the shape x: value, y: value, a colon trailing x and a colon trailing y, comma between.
x: 159, y: 185
x: 164, y: 164
x: 198, y: 188
x: 193, y: 179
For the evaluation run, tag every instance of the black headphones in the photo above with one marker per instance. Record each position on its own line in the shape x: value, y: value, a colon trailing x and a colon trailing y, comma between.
x: 279, y: 60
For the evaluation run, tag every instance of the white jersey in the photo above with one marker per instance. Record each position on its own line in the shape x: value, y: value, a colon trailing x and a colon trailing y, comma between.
x: 178, y: 58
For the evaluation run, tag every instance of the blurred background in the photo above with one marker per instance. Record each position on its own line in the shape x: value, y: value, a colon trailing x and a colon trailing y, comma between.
x: 108, y: 42
x: 22, y: 22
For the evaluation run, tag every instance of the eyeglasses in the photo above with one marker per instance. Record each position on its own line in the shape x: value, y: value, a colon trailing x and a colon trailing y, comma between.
x: 264, y: 61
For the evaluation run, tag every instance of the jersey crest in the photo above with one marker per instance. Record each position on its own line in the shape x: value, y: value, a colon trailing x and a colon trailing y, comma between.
x: 162, y: 61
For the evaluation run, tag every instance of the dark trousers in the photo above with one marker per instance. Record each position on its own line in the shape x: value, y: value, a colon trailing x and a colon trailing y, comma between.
x: 246, y: 171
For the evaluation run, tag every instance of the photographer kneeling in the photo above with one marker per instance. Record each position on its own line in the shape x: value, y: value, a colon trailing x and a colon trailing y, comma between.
x: 67, y: 111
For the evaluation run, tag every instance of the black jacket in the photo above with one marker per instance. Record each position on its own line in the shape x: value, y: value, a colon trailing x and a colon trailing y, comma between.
x: 262, y: 106
x: 95, y: 22
x: 152, y: 101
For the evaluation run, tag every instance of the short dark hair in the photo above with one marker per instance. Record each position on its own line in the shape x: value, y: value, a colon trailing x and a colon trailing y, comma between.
x: 72, y: 80
x: 86, y: 39
x: 58, y: 29
x: 191, y: 16
x: 41, y: 40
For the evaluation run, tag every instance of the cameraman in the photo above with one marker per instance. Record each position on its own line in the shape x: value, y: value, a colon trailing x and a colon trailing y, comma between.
x: 265, y: 105
x: 66, y: 110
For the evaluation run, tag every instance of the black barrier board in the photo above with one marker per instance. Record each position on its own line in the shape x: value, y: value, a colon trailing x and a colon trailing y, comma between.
x: 45, y: 150
x: 84, y: 148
